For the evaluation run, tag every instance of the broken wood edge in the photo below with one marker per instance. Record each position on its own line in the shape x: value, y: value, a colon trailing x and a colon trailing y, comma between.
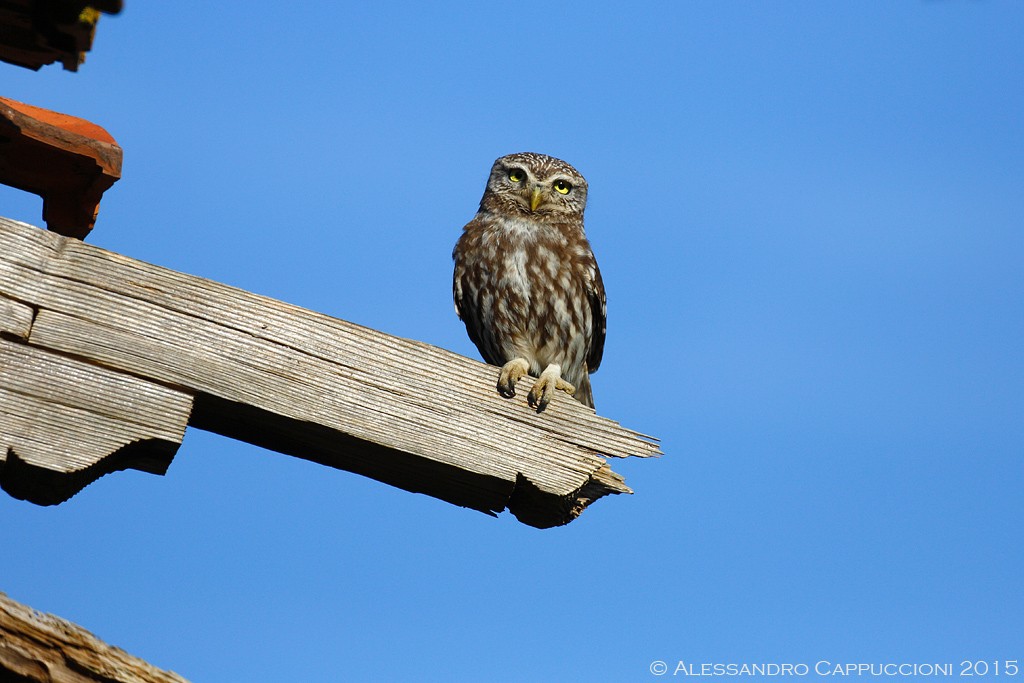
x: 36, y: 647
x: 15, y: 319
x: 531, y: 505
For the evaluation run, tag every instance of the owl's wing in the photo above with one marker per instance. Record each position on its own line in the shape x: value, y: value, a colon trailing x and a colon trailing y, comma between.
x: 459, y: 274
x: 598, y: 316
x: 461, y: 309
x: 457, y: 287
x: 464, y: 306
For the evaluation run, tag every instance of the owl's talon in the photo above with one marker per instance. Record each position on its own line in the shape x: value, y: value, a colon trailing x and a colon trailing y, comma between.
x: 544, y: 388
x: 511, y: 373
x: 538, y: 402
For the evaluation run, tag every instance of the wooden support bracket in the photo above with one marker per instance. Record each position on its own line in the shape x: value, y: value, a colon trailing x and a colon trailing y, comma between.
x: 104, y: 359
x: 68, y: 422
x: 68, y: 161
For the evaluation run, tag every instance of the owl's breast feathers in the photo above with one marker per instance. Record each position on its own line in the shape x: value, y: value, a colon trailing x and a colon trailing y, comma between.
x: 532, y: 290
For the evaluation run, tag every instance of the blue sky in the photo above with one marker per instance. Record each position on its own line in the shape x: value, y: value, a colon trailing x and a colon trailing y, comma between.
x: 808, y: 218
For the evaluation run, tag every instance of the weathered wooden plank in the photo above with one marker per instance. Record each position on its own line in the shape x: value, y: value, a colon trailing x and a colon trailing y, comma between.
x: 297, y: 381
x: 41, y: 648
x: 15, y: 319
x: 65, y: 423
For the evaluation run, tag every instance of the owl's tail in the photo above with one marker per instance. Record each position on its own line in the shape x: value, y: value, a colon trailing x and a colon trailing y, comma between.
x: 584, y: 394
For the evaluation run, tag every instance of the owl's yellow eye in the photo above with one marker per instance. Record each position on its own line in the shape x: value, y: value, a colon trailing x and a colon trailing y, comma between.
x: 562, y: 187
x: 516, y: 175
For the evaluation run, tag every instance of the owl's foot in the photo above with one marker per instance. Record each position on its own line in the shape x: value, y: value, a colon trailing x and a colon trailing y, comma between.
x: 545, y: 386
x: 511, y: 373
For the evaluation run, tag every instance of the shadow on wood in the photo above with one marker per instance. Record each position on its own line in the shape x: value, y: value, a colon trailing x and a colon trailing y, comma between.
x: 136, y: 351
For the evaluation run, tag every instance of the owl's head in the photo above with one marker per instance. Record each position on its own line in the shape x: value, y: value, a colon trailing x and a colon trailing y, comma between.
x: 535, y: 185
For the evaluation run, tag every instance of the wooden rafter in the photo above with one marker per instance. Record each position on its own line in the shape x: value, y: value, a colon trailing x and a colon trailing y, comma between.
x: 134, y: 352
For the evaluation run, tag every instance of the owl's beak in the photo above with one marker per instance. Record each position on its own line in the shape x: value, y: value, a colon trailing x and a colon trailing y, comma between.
x: 535, y: 198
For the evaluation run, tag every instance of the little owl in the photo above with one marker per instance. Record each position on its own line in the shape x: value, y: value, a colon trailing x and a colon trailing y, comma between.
x: 526, y: 282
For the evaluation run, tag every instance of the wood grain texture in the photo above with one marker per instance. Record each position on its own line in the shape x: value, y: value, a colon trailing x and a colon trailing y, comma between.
x: 41, y: 648
x: 303, y: 383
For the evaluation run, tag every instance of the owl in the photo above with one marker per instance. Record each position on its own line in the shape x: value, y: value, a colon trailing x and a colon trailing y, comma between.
x: 526, y: 282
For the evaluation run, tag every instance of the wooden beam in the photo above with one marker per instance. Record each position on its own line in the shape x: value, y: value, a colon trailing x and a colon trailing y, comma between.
x: 42, y: 648
x: 299, y: 382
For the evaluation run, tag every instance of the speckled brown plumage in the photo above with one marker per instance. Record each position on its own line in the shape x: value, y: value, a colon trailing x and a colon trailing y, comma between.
x: 526, y: 282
